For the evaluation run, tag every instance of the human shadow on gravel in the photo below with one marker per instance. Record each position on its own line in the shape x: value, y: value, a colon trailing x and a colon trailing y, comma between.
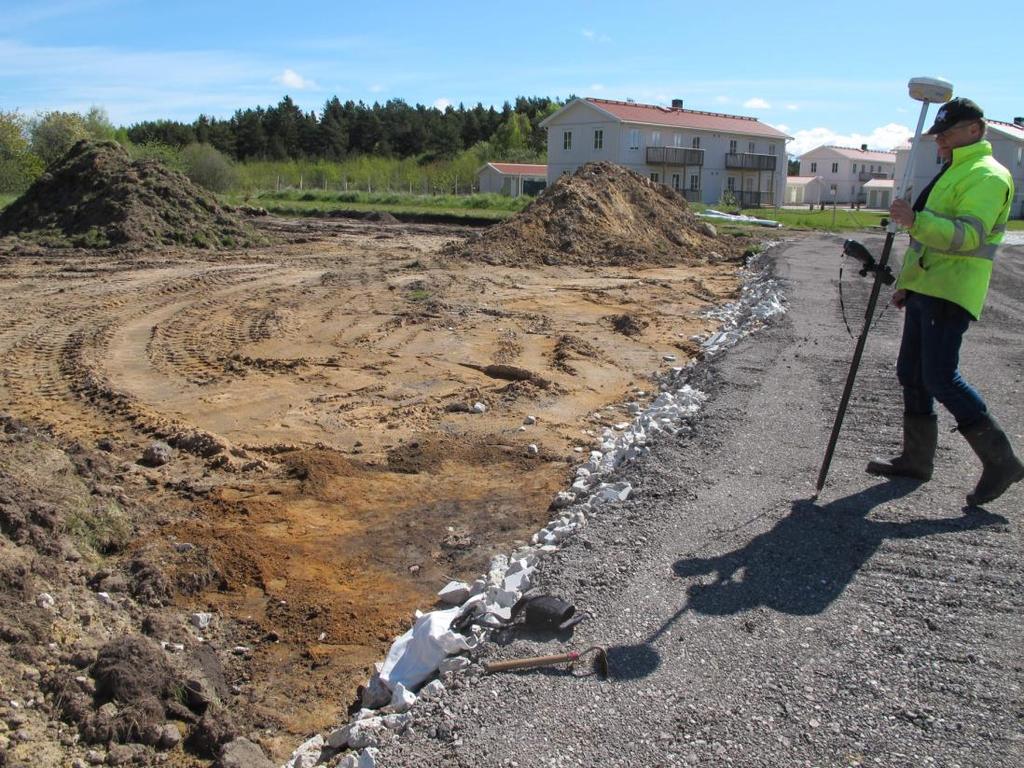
x: 806, y: 561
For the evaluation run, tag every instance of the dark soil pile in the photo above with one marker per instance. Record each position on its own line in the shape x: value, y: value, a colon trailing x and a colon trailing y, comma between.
x: 96, y: 196
x: 604, y: 214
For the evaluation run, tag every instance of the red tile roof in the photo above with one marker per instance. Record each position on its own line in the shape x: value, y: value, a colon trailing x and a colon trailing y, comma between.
x: 686, y: 118
x: 520, y: 169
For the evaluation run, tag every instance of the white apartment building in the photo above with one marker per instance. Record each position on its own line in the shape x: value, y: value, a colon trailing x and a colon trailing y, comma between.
x: 699, y: 154
x: 1007, y: 141
x: 842, y: 172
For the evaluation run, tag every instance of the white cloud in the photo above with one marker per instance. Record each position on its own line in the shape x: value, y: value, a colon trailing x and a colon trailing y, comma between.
x: 595, y: 37
x: 292, y: 79
x: 376, y: 88
x: 756, y: 103
x: 722, y: 100
x: 793, y: 107
x: 442, y: 104
x: 595, y: 88
x: 886, y: 137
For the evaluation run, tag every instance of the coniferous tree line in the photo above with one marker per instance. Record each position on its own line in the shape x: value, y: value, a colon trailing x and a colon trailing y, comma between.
x: 344, y: 129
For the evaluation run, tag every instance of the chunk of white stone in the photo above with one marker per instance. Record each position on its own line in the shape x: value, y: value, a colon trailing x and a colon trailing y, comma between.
x: 432, y: 690
x: 519, y: 581
x: 201, y: 620
x: 45, y: 600
x: 105, y: 598
x: 611, y: 493
x: 357, y: 735
x: 454, y: 593
x: 532, y: 449
x: 307, y: 754
x: 376, y: 693
x: 454, y: 664
x: 479, y: 408
x: 402, y: 699
x: 530, y: 420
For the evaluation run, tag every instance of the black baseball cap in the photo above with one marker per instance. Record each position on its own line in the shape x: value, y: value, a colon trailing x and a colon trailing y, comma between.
x: 955, y: 111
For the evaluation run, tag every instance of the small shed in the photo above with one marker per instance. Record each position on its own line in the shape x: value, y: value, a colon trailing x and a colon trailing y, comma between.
x: 879, y: 193
x: 803, y: 190
x: 512, y: 179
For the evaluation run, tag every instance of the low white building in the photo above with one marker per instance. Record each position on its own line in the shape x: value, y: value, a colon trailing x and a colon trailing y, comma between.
x: 702, y: 155
x: 804, y: 190
x: 879, y: 193
x: 844, y: 171
x: 1007, y: 141
x: 512, y: 179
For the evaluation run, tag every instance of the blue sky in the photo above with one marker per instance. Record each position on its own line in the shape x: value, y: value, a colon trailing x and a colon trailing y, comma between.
x: 822, y: 72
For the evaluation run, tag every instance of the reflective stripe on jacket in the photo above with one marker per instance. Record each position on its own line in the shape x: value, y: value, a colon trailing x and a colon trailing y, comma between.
x: 953, y: 240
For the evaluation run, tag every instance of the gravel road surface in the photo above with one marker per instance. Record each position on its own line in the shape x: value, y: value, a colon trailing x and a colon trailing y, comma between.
x: 748, y: 625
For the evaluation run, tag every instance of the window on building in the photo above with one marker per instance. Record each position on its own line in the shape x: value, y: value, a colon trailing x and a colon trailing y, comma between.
x: 696, y: 142
x: 814, y: 167
x: 833, y: 189
x: 566, y: 139
x: 694, y: 182
x: 654, y: 176
x: 835, y: 167
x: 854, y: 167
x: 730, y: 183
x: 677, y: 139
x: 599, y: 139
x: 675, y: 181
x: 1020, y: 155
x: 771, y: 149
x: 732, y: 146
x: 634, y: 138
x: 750, y: 147
x: 656, y: 139
x: 938, y: 159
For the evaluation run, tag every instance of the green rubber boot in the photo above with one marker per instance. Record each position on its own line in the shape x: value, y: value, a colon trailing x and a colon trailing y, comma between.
x: 1000, y: 468
x: 920, y: 436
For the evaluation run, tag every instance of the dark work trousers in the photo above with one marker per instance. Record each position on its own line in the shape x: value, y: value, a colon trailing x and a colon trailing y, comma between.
x: 928, y: 365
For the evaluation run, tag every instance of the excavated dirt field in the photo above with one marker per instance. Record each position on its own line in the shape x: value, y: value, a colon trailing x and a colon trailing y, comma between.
x: 324, y: 474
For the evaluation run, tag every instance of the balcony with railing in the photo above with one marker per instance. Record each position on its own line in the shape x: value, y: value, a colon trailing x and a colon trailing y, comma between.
x: 748, y: 161
x: 868, y: 176
x: 747, y: 198
x: 674, y: 156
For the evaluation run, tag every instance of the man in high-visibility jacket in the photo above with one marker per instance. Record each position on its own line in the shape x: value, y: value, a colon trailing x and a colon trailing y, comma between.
x: 955, y: 226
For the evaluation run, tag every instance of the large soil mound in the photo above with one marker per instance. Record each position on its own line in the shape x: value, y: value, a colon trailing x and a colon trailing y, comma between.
x: 604, y: 214
x: 96, y: 196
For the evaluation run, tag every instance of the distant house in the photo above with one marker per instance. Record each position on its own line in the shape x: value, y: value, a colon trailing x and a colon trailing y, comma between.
x: 844, y: 171
x: 1007, y: 141
x: 700, y: 154
x: 512, y: 179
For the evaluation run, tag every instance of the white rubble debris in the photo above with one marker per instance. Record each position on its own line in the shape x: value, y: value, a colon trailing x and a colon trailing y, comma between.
x: 453, y: 664
x: 432, y: 690
x: 532, y: 449
x: 308, y: 753
x: 402, y: 699
x: 530, y: 420
x: 45, y: 600
x: 454, y: 593
x: 479, y: 408
x: 201, y: 620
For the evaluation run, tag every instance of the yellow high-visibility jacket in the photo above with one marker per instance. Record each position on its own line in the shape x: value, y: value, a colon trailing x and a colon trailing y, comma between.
x: 953, y: 240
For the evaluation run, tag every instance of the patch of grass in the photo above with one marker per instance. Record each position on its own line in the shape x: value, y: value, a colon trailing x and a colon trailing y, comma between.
x: 106, y: 530
x: 6, y: 200
x: 1015, y: 225
x: 418, y: 294
x: 840, y: 220
x: 291, y: 202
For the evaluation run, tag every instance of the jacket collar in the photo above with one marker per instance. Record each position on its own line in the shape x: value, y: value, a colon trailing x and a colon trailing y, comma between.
x: 971, y: 151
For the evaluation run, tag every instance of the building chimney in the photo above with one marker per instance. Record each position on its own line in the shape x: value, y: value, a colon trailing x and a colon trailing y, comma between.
x: 1019, y: 121
x: 677, y: 103
x: 863, y: 147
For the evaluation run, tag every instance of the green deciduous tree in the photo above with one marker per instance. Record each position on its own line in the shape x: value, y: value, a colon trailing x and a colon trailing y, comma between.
x: 18, y: 166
